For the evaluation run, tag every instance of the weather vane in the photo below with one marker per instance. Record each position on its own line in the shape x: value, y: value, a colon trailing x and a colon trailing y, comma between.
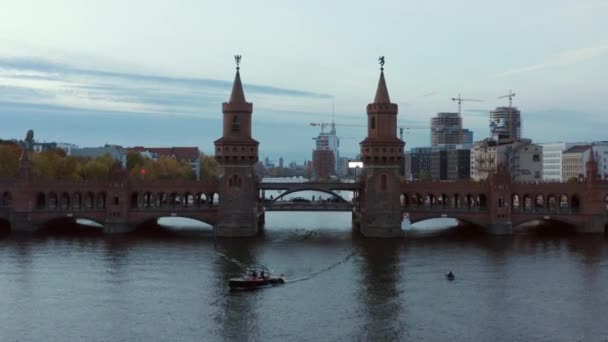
x: 381, y: 62
x: 237, y: 59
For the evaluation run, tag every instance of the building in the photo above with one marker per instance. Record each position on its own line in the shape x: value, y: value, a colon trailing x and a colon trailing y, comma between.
x: 552, y: 160
x: 190, y: 155
x: 118, y: 153
x: 505, y: 123
x: 439, y: 163
x: 446, y: 128
x: 329, y: 141
x: 522, y: 157
x: 459, y: 164
x: 420, y: 158
x: 407, y: 166
x: 467, y: 137
x: 600, y: 150
x: 574, y: 161
x: 343, y: 167
x: 323, y: 163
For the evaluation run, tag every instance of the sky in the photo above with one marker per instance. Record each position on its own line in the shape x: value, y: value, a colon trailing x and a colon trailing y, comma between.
x: 155, y: 73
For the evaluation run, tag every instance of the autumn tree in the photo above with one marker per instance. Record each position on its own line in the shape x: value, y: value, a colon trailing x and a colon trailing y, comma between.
x: 209, y: 167
x: 9, y: 160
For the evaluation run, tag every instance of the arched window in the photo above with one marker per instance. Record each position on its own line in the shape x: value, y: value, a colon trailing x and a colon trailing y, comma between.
x: 372, y: 122
x: 236, y: 124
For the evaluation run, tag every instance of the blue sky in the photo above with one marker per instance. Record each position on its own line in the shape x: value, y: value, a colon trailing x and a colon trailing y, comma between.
x: 156, y: 72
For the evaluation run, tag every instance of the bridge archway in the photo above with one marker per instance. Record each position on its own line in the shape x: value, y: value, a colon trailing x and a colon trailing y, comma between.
x: 71, y: 225
x: 289, y: 192
x: 64, y: 201
x: 542, y: 225
x: 89, y: 200
x: 76, y: 201
x: 52, y: 201
x: 41, y: 201
x: 6, y: 200
x: 173, y: 224
x: 575, y: 202
x: 5, y: 226
x: 439, y: 225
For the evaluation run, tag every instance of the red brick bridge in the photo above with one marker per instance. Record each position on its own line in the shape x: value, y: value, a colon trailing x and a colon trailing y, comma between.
x: 498, y: 204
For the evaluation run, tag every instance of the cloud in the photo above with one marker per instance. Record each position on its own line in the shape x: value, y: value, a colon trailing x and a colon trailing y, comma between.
x: 565, y: 58
x: 42, y: 82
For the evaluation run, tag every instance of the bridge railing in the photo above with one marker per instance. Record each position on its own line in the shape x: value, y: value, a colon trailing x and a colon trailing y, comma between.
x: 558, y: 211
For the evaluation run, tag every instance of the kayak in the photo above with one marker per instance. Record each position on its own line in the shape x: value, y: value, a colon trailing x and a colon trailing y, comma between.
x: 249, y: 282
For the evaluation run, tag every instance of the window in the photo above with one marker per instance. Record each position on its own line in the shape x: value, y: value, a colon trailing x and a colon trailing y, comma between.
x: 236, y: 124
x: 372, y: 123
x: 536, y: 157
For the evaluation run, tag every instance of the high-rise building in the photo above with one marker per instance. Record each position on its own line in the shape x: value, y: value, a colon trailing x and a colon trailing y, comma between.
x: 467, y: 137
x: 329, y: 141
x: 323, y: 163
x: 446, y: 128
x: 505, y: 123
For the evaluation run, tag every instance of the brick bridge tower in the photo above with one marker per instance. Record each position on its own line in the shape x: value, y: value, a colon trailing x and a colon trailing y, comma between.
x: 382, y: 153
x: 237, y: 153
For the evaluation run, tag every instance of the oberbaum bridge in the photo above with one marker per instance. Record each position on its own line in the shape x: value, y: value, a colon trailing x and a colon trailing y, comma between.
x: 235, y: 203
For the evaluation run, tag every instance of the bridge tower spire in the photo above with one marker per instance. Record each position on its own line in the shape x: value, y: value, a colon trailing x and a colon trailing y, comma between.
x: 382, y: 154
x: 237, y: 153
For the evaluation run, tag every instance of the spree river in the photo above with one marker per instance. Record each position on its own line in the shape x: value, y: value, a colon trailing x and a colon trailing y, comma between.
x: 173, y: 287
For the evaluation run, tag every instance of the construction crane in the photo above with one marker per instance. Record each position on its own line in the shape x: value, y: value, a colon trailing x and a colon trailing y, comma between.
x: 402, y: 128
x: 511, y: 95
x: 323, y: 124
x: 460, y: 100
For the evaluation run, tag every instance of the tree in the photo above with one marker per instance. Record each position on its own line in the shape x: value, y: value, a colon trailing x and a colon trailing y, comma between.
x: 209, y: 167
x: 572, y: 179
x: 9, y: 160
x: 135, y: 159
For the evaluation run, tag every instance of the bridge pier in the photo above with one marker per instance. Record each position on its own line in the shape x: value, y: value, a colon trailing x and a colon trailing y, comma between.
x: 500, y: 228
x: 594, y: 224
x: 117, y: 228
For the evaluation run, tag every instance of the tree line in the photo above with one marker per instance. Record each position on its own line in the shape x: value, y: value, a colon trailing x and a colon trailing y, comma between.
x: 54, y: 164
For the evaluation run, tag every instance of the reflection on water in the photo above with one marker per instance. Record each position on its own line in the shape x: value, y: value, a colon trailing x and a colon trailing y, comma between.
x: 173, y: 287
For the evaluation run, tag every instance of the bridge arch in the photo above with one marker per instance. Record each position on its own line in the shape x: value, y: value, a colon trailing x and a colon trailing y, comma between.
x: 329, y: 192
x: 41, y: 201
x: 60, y: 223
x: 575, y: 202
x: 52, y: 201
x: 546, y: 225
x: 76, y: 201
x: 89, y: 200
x: 64, y: 201
x: 101, y: 200
x: 6, y: 200
x: 515, y: 201
x: 480, y: 225
x: 153, y: 219
x: 539, y: 201
x: 563, y: 201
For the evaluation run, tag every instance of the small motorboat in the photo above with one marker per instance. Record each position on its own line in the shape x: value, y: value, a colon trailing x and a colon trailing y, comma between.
x: 249, y: 282
x: 450, y: 276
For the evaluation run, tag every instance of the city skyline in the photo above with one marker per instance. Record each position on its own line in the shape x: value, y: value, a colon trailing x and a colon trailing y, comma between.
x: 70, y: 87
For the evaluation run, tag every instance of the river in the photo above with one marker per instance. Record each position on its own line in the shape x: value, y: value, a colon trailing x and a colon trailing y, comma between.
x: 173, y: 287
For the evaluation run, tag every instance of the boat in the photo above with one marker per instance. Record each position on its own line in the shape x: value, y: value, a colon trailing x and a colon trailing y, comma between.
x: 249, y: 282
x: 450, y: 276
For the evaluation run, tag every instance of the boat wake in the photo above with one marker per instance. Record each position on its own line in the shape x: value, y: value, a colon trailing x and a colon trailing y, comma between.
x: 323, y: 270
